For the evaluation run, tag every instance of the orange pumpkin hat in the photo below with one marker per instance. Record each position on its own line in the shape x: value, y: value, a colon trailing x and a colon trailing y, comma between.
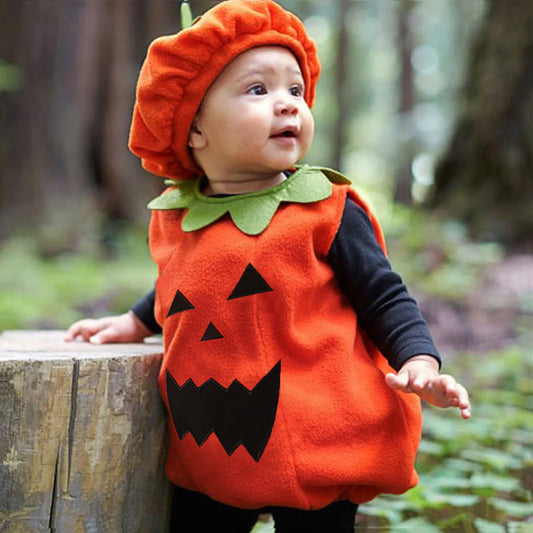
x: 179, y: 69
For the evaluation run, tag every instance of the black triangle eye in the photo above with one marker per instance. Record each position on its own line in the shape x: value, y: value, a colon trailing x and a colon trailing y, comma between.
x: 179, y: 304
x: 211, y: 333
x: 251, y: 282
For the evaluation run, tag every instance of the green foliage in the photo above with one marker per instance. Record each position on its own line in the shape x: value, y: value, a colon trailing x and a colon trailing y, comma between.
x: 475, y: 475
x: 10, y: 77
x: 434, y: 255
x: 38, y: 292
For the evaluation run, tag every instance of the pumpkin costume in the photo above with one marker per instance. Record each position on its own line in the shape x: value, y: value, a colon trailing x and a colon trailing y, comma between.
x: 276, y: 396
x: 266, y: 373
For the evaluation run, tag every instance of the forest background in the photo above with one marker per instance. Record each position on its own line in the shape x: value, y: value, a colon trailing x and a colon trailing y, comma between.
x: 427, y: 105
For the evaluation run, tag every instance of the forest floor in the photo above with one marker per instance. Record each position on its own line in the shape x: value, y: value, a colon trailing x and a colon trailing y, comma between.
x: 495, y: 313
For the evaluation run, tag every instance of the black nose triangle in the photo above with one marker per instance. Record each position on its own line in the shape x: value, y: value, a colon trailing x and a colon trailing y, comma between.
x: 211, y: 333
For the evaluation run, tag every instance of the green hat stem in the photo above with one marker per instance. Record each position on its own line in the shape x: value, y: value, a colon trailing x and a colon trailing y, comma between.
x: 186, y: 15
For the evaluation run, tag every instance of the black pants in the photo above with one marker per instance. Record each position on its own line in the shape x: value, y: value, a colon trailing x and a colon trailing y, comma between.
x: 196, y: 513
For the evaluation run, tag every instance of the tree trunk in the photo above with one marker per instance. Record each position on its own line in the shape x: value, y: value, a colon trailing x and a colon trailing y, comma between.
x: 404, y: 178
x: 64, y: 160
x: 84, y: 439
x: 341, y: 86
x: 43, y: 168
x: 485, y: 176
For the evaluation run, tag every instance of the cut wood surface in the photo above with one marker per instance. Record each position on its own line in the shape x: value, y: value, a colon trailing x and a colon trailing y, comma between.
x: 82, y: 436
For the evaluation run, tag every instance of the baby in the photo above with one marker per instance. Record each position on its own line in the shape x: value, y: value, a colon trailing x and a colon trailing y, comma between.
x: 294, y: 358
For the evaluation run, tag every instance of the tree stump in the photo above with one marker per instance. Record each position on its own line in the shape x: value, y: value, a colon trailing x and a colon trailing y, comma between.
x: 83, y: 436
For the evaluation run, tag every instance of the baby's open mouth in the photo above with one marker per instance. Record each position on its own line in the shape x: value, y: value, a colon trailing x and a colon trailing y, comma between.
x: 285, y: 133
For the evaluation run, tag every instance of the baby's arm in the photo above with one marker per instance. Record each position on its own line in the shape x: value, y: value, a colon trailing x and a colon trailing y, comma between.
x: 121, y: 328
x: 420, y: 375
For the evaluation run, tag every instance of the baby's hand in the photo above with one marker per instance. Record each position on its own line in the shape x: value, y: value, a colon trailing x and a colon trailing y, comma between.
x: 120, y: 328
x: 420, y: 375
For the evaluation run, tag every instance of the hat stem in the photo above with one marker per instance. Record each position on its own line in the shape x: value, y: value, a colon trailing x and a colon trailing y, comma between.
x: 186, y: 15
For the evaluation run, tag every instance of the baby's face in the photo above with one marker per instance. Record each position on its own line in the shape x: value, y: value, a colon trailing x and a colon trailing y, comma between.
x: 254, y: 119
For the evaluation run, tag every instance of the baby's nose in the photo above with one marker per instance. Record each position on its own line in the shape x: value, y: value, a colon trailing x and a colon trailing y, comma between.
x: 286, y: 107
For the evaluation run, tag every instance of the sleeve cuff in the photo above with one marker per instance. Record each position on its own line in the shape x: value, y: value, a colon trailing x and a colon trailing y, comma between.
x: 415, y: 349
x: 144, y: 311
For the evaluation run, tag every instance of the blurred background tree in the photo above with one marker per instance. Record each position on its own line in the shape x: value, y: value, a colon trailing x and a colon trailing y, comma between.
x: 486, y: 175
x: 70, y: 69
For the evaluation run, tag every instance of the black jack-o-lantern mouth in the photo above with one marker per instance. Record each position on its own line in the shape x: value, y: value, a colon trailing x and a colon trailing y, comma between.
x: 236, y: 414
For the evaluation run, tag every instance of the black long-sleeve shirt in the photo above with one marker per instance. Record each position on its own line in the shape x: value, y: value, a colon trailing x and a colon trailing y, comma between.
x: 387, y: 313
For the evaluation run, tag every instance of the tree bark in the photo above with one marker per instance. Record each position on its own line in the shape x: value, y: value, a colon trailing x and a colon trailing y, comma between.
x: 65, y: 168
x: 42, y: 166
x: 404, y: 177
x: 84, y: 436
x: 341, y: 88
x: 484, y: 178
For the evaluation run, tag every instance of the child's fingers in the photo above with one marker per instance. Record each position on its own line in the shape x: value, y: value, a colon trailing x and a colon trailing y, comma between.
x: 398, y: 382
x: 447, y: 392
x: 443, y: 389
x: 103, y: 336
x: 440, y: 390
x: 462, y: 396
x: 463, y: 402
x: 85, y: 329
x: 74, y: 330
x: 446, y: 386
x: 109, y: 334
x: 407, y: 381
x: 453, y: 392
x: 119, y: 328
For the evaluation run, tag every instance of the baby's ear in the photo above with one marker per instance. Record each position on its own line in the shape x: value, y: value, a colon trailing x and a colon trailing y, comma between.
x: 197, y: 139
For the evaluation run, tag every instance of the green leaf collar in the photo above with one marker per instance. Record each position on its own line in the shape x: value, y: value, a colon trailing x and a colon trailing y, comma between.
x: 250, y: 212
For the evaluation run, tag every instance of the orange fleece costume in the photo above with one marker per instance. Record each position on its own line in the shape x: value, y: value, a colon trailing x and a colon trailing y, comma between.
x: 275, y: 395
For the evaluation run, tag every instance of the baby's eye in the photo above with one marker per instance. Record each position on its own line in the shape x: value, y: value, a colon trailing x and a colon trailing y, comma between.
x: 258, y: 89
x: 297, y: 90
